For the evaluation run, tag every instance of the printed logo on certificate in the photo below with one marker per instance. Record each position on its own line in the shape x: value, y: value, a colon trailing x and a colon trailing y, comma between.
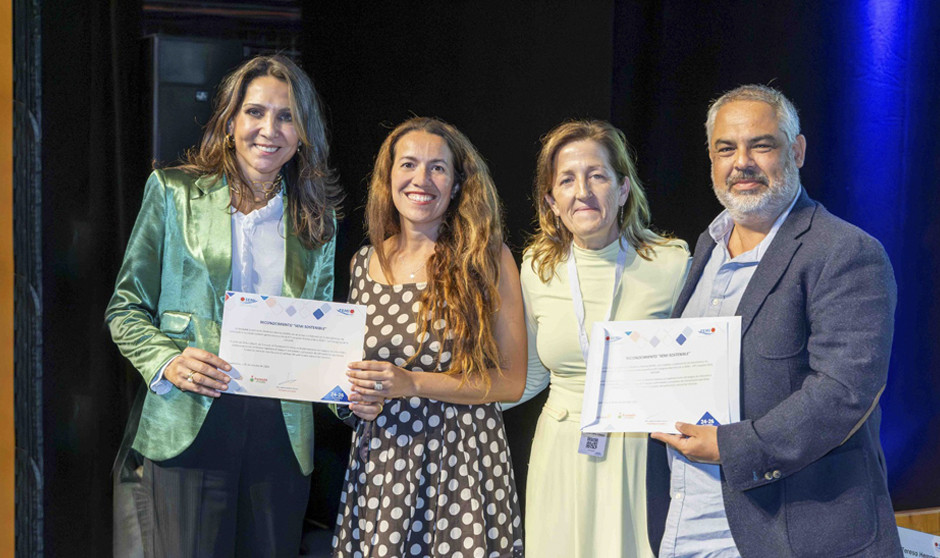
x: 290, y: 348
x: 646, y: 375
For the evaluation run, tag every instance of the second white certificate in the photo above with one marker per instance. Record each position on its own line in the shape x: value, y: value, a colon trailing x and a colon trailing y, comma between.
x: 290, y: 348
x: 646, y: 375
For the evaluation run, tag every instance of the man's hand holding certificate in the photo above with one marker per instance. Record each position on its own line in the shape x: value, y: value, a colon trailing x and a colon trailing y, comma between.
x: 290, y: 348
x: 646, y: 375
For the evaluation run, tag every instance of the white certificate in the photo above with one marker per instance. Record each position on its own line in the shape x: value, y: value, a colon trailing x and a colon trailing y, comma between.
x: 646, y: 375
x: 290, y: 348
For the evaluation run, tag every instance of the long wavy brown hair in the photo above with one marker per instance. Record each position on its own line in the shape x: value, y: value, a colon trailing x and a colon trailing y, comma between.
x: 552, y: 241
x: 463, y: 271
x: 311, y: 187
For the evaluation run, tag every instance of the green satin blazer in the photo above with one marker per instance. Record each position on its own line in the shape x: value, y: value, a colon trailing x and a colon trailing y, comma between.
x: 170, y: 292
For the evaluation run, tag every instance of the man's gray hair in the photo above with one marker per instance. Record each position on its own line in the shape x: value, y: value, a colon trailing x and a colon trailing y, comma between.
x: 787, y: 118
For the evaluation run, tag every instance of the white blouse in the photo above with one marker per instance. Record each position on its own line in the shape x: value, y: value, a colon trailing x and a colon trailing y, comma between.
x: 258, y: 241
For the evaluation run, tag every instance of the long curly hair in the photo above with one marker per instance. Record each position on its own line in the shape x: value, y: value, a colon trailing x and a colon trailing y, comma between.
x: 463, y: 271
x: 310, y: 184
x: 552, y: 241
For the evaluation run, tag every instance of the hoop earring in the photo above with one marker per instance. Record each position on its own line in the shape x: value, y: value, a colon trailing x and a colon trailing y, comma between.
x: 230, y: 141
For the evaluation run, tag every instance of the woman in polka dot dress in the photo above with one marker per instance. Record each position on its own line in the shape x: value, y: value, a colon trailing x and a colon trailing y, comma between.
x: 429, y: 472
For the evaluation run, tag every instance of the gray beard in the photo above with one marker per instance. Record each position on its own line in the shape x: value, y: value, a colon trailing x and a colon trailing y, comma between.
x: 767, y: 204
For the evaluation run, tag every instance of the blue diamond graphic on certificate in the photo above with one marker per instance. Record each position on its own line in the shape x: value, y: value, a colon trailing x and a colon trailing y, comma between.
x: 321, y: 311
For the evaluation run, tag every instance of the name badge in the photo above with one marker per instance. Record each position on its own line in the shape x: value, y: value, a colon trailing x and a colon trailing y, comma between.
x: 593, y: 444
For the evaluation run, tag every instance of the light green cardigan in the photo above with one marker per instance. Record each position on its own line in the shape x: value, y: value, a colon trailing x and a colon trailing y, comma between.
x: 170, y: 293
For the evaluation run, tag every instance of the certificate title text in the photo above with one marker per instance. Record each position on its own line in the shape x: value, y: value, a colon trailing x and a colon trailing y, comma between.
x: 637, y: 357
x: 300, y: 326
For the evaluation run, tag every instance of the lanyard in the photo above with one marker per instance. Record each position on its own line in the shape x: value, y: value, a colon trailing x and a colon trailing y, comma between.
x: 578, y: 301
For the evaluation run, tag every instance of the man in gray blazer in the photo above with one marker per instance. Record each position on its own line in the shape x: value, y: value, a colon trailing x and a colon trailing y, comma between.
x: 802, y: 473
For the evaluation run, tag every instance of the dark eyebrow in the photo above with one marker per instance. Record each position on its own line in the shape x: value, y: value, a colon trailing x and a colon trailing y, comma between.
x: 410, y: 158
x: 263, y: 106
x: 766, y: 137
x: 751, y: 141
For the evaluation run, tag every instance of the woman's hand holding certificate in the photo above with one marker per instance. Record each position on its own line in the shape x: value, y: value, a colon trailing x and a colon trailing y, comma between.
x: 198, y: 371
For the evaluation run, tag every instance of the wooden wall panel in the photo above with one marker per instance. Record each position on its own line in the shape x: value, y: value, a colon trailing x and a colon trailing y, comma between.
x: 7, y: 440
x: 926, y: 521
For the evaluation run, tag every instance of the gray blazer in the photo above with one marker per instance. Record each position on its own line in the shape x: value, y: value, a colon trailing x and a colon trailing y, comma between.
x: 803, y: 473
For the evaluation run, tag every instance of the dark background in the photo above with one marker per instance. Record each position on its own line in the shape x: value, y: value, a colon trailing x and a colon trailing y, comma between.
x: 861, y: 74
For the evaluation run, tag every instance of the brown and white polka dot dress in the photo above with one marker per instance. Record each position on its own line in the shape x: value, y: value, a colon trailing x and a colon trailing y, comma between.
x: 426, y: 478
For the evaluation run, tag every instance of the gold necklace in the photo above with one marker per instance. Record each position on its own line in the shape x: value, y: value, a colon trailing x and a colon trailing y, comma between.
x: 268, y: 189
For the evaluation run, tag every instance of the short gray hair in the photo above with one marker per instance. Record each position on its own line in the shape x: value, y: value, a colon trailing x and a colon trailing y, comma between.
x: 787, y: 118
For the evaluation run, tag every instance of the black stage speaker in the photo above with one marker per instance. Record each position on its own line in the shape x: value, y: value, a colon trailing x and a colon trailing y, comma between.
x: 184, y: 75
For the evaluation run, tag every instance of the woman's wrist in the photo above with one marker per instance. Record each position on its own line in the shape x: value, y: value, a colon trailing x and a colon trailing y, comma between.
x: 415, y: 384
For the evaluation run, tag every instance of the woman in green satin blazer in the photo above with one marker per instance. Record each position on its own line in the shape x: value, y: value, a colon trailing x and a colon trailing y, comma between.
x: 265, y: 142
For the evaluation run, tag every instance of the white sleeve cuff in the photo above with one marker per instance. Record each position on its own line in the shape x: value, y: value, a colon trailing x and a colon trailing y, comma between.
x: 160, y: 385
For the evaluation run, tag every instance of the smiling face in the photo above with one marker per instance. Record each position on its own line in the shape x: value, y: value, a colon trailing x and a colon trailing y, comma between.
x: 422, y: 180
x: 754, y: 167
x: 264, y: 132
x: 586, y: 193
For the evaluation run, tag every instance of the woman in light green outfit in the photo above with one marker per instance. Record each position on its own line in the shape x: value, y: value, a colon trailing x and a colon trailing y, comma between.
x: 591, y: 208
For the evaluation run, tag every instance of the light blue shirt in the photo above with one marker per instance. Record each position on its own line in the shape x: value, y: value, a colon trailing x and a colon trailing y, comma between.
x: 696, y: 525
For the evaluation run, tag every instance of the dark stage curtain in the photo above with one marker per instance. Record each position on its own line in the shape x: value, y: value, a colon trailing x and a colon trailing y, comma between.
x: 863, y: 76
x: 94, y: 166
x: 503, y: 73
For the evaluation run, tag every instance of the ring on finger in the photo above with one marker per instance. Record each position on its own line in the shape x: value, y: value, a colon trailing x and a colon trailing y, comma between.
x: 377, y: 386
x: 190, y: 377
